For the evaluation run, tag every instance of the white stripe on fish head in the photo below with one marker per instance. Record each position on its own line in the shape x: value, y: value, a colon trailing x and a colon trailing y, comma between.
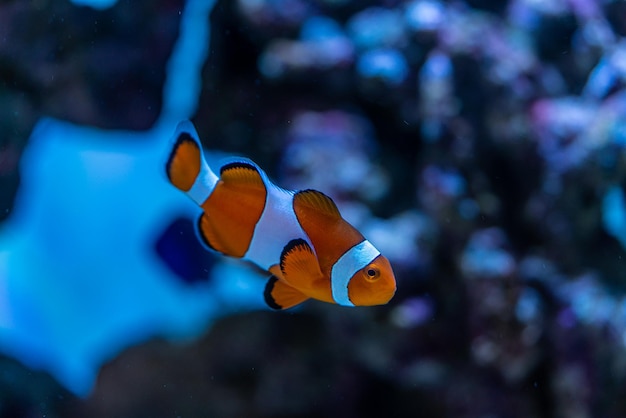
x: 353, y: 260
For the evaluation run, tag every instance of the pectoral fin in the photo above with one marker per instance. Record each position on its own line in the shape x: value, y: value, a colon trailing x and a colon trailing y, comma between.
x: 299, y: 265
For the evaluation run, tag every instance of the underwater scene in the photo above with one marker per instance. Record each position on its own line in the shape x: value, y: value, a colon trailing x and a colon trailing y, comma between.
x: 313, y: 208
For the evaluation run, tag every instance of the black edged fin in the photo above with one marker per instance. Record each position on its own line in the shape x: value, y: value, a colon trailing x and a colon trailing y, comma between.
x: 278, y: 295
x: 318, y: 201
x: 299, y: 264
x: 205, y: 232
x: 241, y: 173
x: 183, y: 164
x: 267, y: 294
x: 294, y: 246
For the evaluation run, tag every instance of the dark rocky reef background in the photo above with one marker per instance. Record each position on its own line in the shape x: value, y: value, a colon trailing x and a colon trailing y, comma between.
x: 492, y: 147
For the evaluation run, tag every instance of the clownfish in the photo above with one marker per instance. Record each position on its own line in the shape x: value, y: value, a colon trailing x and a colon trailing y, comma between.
x: 299, y: 237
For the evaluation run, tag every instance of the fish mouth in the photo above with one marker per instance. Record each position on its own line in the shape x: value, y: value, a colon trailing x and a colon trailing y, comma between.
x: 389, y: 295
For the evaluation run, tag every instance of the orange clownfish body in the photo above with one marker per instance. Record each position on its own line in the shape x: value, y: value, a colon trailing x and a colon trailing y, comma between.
x: 299, y: 237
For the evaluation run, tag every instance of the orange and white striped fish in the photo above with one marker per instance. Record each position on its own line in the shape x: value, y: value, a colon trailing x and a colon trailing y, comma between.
x: 299, y: 237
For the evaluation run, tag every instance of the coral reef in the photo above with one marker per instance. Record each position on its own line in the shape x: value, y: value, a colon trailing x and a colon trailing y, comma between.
x: 479, y: 144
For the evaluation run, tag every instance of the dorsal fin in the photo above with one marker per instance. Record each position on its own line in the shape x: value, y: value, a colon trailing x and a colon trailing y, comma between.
x: 241, y: 173
x: 318, y: 201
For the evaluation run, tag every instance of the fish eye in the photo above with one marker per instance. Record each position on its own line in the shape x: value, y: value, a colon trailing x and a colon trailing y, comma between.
x: 372, y: 274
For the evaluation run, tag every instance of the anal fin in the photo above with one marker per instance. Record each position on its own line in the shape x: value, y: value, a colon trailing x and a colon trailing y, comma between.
x: 209, y: 237
x: 279, y: 295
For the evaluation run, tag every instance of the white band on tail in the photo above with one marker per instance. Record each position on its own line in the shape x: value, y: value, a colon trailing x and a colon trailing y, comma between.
x: 204, y: 184
x: 353, y: 260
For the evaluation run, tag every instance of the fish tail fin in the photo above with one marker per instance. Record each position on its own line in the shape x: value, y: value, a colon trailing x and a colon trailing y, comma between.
x: 186, y: 167
x: 185, y: 159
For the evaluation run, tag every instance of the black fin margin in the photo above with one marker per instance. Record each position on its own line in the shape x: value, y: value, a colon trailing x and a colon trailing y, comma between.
x: 267, y: 294
x: 238, y: 164
x: 182, y: 137
x: 315, y: 198
x: 203, y: 237
x: 294, y: 243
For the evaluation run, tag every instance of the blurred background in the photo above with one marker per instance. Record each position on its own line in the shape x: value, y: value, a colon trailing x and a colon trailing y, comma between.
x: 479, y: 144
